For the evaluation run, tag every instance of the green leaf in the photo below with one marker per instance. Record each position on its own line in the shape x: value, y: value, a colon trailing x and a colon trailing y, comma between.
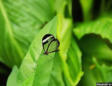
x: 101, y: 26
x: 74, y: 63
x: 43, y: 70
x: 57, y: 4
x: 57, y: 73
x: 45, y: 74
x: 12, y: 80
x: 64, y: 27
x: 105, y: 71
x: 93, y: 45
x: 27, y: 68
x: 86, y: 8
x: 95, y: 72
x: 21, y: 21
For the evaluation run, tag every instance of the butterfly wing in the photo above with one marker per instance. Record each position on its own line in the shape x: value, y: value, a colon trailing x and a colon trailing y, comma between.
x: 46, y: 40
x: 53, y: 46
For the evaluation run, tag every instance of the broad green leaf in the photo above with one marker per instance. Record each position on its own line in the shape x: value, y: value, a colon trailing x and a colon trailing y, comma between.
x: 101, y: 26
x: 57, y: 73
x: 6, y: 40
x: 27, y: 68
x: 93, y: 45
x: 46, y: 72
x: 20, y: 21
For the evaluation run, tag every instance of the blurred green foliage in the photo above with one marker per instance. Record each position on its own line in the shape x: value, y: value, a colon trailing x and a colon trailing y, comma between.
x: 85, y: 52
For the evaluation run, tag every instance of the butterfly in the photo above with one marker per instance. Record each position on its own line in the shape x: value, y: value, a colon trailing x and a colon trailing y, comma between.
x: 50, y: 44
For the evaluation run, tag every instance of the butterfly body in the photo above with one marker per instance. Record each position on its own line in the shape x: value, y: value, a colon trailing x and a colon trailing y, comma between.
x: 50, y: 44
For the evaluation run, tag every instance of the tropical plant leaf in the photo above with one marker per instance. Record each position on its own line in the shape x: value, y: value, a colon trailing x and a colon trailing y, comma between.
x: 21, y: 21
x: 45, y: 76
x: 57, y: 73
x: 74, y: 62
x: 95, y: 46
x: 101, y: 26
x: 27, y: 68
x: 56, y: 68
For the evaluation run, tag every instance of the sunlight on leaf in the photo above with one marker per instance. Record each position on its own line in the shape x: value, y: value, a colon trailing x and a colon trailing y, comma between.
x: 27, y: 68
x: 22, y: 20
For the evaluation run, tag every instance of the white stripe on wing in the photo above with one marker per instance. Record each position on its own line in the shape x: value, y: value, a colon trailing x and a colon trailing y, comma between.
x: 46, y: 39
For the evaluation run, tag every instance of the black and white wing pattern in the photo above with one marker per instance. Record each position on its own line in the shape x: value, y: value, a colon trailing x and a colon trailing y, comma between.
x: 50, y: 44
